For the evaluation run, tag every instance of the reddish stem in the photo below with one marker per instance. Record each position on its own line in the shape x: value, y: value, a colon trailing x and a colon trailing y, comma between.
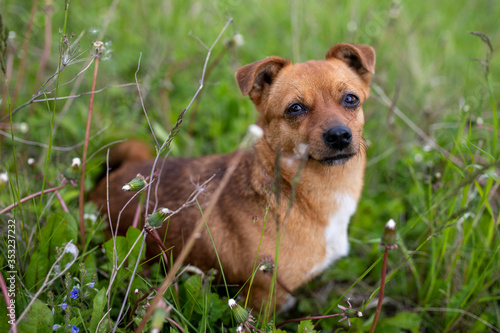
x: 34, y: 195
x: 3, y: 287
x: 84, y: 156
x: 381, y: 293
x: 61, y: 201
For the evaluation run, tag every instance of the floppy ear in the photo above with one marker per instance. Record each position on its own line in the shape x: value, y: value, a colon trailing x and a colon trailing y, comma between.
x: 359, y: 57
x: 256, y: 78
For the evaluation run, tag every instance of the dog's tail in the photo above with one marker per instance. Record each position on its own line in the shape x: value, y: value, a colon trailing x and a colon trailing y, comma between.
x: 129, y: 151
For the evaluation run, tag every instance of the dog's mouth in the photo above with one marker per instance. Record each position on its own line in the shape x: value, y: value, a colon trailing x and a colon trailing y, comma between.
x: 334, y: 160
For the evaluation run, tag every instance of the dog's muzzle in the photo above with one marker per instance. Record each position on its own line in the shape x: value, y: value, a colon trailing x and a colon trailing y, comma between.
x: 338, y: 137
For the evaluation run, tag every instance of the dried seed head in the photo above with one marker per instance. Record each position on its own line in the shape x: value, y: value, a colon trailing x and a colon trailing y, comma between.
x: 351, y: 313
x: 136, y: 184
x: 240, y: 314
x: 266, y: 267
x: 156, y: 219
x: 389, y: 235
x: 98, y: 48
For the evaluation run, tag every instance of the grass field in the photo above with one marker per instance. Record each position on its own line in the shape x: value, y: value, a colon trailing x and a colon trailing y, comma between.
x: 432, y: 142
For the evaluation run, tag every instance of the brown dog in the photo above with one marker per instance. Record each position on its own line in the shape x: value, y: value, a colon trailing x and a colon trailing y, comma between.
x: 312, y: 118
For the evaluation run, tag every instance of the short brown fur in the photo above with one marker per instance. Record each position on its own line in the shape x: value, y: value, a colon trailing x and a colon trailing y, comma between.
x: 237, y: 221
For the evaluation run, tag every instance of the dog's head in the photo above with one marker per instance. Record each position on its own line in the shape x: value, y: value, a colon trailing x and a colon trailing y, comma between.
x: 316, y: 103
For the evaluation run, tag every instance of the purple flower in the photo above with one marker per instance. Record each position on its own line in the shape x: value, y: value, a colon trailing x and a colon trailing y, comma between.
x: 74, y: 293
x: 56, y: 327
x: 74, y: 329
x: 91, y: 284
x: 64, y: 305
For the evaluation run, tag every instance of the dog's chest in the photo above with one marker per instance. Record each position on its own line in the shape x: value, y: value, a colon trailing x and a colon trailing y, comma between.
x: 335, y: 233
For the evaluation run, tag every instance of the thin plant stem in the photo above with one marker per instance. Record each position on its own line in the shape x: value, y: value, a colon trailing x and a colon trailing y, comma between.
x: 49, y: 10
x: 26, y: 41
x: 84, y: 156
x: 34, y: 195
x: 283, y: 323
x: 381, y: 293
x: 8, y: 303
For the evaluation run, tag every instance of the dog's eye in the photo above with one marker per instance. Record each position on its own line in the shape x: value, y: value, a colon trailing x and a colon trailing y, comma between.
x: 351, y: 100
x: 295, y: 109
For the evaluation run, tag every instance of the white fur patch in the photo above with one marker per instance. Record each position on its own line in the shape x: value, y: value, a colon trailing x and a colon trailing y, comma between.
x: 337, y: 244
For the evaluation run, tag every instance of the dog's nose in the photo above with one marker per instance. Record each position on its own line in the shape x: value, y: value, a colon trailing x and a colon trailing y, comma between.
x: 338, y: 137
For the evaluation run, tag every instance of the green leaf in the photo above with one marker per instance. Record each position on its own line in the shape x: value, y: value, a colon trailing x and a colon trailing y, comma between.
x: 39, y: 319
x: 37, y: 270
x: 403, y: 321
x: 99, y: 304
x: 306, y: 326
x: 193, y: 293
x: 132, y: 235
x: 61, y: 227
x: 121, y: 249
x: 4, y: 313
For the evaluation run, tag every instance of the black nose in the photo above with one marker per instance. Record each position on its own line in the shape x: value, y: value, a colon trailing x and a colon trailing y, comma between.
x: 338, y: 137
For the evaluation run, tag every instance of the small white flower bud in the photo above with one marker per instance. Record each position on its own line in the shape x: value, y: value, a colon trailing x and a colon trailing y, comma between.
x: 4, y: 177
x: 238, y: 39
x: 76, y: 162
x: 23, y: 128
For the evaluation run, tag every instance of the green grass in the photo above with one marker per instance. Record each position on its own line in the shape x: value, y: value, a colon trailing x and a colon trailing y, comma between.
x: 438, y: 179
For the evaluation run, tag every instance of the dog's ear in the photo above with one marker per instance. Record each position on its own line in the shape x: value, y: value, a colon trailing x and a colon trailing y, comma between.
x: 255, y: 78
x: 357, y: 56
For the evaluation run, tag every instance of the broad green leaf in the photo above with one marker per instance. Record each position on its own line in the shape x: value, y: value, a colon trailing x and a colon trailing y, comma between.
x: 37, y: 270
x: 121, y: 249
x: 406, y: 321
x: 61, y: 227
x: 4, y: 313
x: 39, y: 319
x: 98, y: 309
x: 132, y: 235
x: 306, y: 326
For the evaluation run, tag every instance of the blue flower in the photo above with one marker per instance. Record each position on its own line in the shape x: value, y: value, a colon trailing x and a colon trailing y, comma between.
x: 64, y: 305
x: 56, y: 327
x: 74, y: 293
x: 91, y: 284
x: 74, y: 329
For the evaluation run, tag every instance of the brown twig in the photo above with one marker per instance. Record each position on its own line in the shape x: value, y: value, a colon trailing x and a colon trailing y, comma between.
x: 157, y: 239
x: 140, y: 299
